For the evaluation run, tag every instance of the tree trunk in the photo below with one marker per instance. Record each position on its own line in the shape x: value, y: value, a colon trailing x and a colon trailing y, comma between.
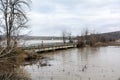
x: 8, y: 40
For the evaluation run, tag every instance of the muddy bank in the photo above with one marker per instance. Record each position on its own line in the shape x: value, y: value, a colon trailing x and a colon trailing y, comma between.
x: 107, y: 44
x: 31, y: 55
x: 10, y: 66
x: 100, y: 44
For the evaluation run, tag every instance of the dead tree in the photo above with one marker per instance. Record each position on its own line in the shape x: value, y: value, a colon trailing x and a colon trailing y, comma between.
x: 64, y: 36
x: 13, y: 19
x: 70, y: 37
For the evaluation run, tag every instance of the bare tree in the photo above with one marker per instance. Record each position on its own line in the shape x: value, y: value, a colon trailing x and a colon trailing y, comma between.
x: 64, y: 36
x: 87, y: 38
x: 85, y: 35
x: 70, y: 37
x: 13, y: 19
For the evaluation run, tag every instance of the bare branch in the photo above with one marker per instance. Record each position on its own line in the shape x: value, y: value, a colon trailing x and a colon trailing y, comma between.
x: 14, y: 19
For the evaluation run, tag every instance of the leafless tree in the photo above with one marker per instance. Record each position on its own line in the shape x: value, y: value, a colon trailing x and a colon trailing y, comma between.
x: 70, y: 37
x: 13, y: 19
x: 85, y: 35
x: 64, y: 36
x: 87, y: 38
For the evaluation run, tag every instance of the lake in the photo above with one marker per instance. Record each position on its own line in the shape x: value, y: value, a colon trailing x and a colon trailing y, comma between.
x: 102, y: 63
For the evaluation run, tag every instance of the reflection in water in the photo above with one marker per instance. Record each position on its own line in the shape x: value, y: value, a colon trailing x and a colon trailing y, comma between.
x: 78, y: 64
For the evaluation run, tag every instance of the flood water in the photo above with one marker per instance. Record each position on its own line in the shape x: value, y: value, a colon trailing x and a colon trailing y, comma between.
x: 38, y: 42
x: 101, y: 63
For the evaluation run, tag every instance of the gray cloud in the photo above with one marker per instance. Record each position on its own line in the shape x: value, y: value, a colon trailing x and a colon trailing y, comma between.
x: 51, y: 17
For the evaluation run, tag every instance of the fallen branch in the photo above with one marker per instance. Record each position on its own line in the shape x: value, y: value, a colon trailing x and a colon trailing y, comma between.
x: 1, y: 52
x: 6, y: 53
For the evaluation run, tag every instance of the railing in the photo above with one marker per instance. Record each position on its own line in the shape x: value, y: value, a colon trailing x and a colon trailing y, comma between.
x: 48, y: 45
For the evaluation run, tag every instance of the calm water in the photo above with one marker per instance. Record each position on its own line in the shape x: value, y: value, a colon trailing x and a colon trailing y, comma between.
x: 79, y: 64
x: 38, y: 42
x: 34, y: 42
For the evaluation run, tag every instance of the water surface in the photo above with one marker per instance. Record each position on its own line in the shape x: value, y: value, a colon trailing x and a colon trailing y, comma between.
x: 78, y: 64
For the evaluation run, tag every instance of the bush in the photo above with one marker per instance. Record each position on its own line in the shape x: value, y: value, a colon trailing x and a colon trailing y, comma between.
x: 80, y: 44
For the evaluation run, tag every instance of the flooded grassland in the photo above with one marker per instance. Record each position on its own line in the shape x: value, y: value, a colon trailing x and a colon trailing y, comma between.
x: 101, y: 63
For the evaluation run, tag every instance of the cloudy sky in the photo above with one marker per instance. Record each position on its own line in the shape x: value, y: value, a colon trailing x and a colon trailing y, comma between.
x: 51, y: 17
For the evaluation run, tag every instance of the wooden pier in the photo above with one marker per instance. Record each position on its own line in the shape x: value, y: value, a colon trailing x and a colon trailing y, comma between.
x: 50, y: 47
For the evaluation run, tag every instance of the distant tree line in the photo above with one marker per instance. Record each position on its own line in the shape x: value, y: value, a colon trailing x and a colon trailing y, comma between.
x: 91, y: 38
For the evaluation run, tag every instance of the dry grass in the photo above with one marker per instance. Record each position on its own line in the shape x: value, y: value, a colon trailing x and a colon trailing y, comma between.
x: 101, y: 44
x: 10, y: 66
x: 10, y: 70
x: 18, y: 74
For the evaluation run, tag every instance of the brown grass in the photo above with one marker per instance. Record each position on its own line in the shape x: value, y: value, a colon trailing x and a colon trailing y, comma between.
x: 17, y: 74
x: 10, y: 66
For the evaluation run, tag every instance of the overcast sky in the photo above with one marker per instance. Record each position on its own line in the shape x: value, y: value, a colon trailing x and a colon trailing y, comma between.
x: 51, y: 17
